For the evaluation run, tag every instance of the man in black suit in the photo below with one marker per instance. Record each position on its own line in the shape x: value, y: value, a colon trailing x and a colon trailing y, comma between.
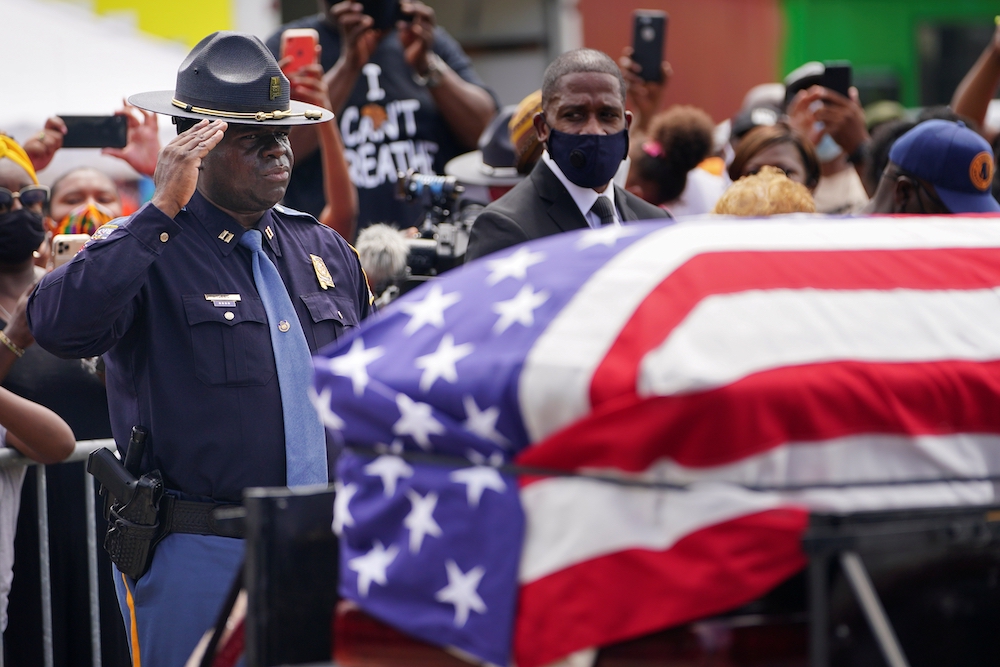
x: 584, y: 126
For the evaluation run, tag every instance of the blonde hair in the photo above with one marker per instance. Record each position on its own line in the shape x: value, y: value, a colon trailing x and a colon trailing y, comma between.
x: 768, y: 192
x: 12, y: 150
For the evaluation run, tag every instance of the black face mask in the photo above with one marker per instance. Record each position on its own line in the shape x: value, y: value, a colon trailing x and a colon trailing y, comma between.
x: 589, y: 160
x: 21, y: 232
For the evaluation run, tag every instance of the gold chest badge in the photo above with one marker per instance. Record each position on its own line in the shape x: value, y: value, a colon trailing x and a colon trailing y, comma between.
x: 322, y: 273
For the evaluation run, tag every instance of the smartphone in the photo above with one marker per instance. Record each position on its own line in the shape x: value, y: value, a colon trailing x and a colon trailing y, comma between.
x: 299, y: 44
x: 385, y: 13
x: 837, y: 76
x: 95, y: 131
x: 649, y: 38
x: 65, y: 247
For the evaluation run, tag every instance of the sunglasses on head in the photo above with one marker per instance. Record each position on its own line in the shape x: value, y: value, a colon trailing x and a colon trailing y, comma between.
x: 32, y: 196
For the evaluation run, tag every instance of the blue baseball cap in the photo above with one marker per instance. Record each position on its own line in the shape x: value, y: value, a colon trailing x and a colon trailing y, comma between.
x: 954, y: 159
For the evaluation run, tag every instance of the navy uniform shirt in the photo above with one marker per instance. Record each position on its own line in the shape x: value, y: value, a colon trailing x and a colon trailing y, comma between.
x: 198, y: 372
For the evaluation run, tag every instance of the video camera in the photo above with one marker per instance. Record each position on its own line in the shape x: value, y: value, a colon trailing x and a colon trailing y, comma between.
x: 443, y: 229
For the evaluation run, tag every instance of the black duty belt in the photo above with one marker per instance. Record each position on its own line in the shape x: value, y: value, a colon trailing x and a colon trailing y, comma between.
x: 199, y: 518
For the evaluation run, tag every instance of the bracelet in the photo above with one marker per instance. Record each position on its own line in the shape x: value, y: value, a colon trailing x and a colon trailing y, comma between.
x: 18, y: 352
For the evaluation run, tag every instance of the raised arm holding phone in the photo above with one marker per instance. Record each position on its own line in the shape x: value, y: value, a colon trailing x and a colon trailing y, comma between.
x: 646, y: 71
x: 300, y: 57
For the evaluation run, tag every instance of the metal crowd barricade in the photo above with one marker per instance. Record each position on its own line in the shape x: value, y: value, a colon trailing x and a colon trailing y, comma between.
x: 10, y: 457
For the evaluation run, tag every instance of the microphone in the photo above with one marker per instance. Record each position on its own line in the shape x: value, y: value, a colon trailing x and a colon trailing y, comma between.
x: 383, y: 252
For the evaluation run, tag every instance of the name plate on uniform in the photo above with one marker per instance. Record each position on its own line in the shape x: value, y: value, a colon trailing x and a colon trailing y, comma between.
x: 223, y: 300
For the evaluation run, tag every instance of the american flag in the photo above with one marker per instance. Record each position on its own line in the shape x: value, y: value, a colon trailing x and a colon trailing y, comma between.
x: 704, y: 384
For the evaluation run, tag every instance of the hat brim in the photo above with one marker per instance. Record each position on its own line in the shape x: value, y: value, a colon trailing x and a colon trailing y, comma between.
x: 160, y: 101
x: 965, y: 202
x: 470, y: 169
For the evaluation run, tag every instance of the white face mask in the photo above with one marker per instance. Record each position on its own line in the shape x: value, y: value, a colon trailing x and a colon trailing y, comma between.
x: 828, y: 150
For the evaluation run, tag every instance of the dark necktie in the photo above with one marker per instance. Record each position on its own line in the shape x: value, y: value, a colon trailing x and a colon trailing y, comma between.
x: 305, y: 442
x: 604, y: 210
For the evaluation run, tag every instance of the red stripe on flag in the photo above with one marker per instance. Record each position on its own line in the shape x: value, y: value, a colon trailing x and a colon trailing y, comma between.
x: 809, y: 403
x: 730, y: 272
x: 631, y: 593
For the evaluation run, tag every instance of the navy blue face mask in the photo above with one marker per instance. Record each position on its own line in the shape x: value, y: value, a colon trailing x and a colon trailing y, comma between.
x: 589, y: 160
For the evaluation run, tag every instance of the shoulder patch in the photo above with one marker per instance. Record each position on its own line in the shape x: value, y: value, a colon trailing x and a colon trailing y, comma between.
x: 104, y: 231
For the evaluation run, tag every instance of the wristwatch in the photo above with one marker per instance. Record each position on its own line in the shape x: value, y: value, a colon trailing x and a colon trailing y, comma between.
x: 435, y: 72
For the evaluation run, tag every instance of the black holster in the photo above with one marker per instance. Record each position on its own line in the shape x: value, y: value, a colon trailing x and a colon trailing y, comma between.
x: 132, y: 508
x: 134, y: 527
x: 139, y: 514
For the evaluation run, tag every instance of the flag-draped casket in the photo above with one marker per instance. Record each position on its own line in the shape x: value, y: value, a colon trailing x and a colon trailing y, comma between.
x: 600, y: 434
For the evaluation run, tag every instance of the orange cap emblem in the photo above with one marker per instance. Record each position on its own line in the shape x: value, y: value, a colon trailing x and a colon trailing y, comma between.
x: 981, y: 171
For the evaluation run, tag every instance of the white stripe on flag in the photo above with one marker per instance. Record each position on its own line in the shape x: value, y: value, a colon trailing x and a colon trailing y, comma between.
x: 554, y: 385
x: 727, y: 337
x: 572, y: 520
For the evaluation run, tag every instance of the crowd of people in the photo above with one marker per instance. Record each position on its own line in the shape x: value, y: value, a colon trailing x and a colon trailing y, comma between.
x: 196, y: 315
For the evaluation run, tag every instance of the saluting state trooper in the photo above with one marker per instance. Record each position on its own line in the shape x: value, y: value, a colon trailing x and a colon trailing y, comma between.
x: 206, y: 304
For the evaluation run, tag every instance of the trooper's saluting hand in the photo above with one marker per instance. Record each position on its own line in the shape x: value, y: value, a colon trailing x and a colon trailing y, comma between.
x: 178, y: 166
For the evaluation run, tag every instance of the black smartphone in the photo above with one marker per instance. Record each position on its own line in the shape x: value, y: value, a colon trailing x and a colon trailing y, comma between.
x: 649, y: 38
x: 837, y: 76
x: 384, y: 12
x: 95, y: 131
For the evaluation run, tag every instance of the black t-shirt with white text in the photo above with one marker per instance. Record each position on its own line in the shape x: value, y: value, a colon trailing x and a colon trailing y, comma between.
x: 389, y: 124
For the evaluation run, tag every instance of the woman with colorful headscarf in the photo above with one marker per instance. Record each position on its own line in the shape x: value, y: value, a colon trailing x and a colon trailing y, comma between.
x: 82, y: 200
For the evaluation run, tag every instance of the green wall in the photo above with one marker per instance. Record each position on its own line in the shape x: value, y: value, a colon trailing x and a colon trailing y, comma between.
x: 875, y: 35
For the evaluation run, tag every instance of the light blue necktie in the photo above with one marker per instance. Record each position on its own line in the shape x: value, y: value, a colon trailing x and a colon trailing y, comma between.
x: 305, y: 443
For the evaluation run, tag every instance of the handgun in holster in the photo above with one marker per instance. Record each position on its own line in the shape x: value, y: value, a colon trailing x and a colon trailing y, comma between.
x: 131, y: 506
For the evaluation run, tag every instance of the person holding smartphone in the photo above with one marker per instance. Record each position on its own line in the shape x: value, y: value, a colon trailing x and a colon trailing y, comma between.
x: 406, y: 97
x: 822, y: 105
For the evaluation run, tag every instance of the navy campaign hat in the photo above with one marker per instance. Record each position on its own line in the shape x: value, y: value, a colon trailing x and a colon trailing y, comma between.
x: 231, y: 76
x: 954, y: 159
x: 494, y: 163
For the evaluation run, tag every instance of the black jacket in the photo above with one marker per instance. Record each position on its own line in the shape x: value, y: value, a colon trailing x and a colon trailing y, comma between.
x: 540, y: 206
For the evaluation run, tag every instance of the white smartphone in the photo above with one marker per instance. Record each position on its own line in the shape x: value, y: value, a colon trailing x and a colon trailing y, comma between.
x: 65, y: 247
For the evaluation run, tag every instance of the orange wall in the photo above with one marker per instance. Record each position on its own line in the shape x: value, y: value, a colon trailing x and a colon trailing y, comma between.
x: 719, y: 49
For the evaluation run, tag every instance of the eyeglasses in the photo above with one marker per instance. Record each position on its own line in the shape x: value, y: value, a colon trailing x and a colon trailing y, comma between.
x: 32, y: 196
